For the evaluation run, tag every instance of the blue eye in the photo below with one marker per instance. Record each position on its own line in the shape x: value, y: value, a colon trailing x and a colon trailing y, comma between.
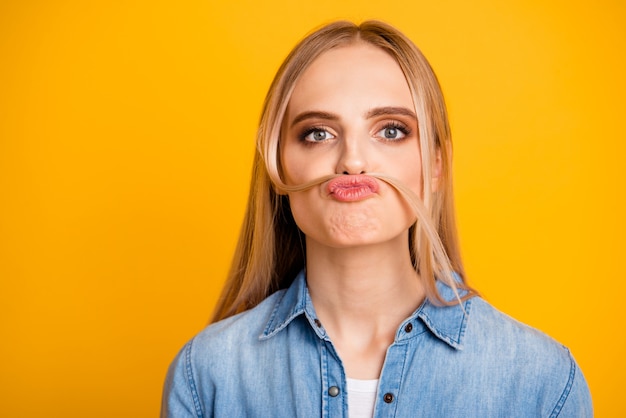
x: 393, y: 132
x: 317, y: 135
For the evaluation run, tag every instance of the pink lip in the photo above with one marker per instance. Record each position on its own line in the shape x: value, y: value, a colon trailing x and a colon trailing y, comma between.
x: 352, y: 188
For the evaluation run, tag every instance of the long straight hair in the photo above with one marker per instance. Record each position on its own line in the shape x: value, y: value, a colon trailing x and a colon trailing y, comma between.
x: 270, y: 251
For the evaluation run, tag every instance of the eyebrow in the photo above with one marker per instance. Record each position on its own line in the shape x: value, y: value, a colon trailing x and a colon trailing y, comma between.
x: 378, y: 111
x: 390, y: 110
x: 314, y: 115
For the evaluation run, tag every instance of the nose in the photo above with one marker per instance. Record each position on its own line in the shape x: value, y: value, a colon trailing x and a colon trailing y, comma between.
x: 353, y: 158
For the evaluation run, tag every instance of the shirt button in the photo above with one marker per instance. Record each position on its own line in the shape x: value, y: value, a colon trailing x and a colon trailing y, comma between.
x: 333, y: 391
x: 317, y: 322
x: 408, y: 327
x: 388, y: 398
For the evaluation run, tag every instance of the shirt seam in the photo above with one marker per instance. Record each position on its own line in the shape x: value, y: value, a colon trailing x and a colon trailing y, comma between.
x: 568, y: 387
x: 191, y: 381
x: 402, y: 378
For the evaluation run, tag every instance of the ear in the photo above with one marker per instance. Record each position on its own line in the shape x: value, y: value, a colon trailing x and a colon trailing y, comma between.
x: 436, y: 171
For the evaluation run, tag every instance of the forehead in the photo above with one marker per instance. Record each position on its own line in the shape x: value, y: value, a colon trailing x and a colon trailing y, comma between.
x: 358, y: 74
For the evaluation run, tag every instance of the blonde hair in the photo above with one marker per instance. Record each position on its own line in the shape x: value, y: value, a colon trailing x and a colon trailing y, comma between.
x: 270, y: 251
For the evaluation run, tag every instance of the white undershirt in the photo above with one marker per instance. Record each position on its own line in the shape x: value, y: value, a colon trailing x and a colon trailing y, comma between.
x: 361, y: 397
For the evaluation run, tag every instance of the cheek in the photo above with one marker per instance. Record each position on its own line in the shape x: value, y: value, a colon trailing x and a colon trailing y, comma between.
x: 301, y: 210
x: 293, y: 174
x: 301, y: 167
x: 291, y: 167
x: 410, y: 173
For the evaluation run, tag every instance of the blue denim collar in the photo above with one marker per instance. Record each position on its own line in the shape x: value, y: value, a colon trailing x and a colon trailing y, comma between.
x: 447, y: 323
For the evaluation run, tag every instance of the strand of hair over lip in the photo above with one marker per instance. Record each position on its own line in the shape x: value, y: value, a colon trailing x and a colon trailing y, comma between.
x: 418, y: 209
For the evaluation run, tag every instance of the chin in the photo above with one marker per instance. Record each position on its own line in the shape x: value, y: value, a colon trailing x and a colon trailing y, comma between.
x: 361, y: 238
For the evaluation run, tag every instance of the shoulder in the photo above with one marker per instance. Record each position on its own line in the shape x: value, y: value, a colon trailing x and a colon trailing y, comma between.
x: 533, y: 360
x: 486, y: 320
x: 214, y: 356
x: 236, y: 332
x: 489, y: 328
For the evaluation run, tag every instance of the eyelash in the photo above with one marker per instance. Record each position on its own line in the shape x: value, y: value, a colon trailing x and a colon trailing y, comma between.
x: 406, y: 131
x: 310, y: 130
x: 399, y: 126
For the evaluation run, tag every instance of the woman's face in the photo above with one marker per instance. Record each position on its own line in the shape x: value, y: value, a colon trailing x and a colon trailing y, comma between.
x: 351, y: 113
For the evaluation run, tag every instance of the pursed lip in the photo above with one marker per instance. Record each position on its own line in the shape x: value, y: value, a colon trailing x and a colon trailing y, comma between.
x: 352, y: 188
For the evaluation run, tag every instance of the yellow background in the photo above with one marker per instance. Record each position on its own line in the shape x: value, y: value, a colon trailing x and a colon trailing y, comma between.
x: 126, y: 139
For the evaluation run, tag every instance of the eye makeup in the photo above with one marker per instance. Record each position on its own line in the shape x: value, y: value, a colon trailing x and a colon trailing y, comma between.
x: 315, y: 134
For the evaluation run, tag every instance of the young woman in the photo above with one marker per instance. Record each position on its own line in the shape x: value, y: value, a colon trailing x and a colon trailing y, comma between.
x: 347, y: 296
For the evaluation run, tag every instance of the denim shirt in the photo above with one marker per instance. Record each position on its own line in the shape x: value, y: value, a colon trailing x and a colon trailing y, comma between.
x: 276, y: 360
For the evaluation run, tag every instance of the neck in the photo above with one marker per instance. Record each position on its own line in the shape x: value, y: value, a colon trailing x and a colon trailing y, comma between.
x: 371, y: 280
x: 361, y: 295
